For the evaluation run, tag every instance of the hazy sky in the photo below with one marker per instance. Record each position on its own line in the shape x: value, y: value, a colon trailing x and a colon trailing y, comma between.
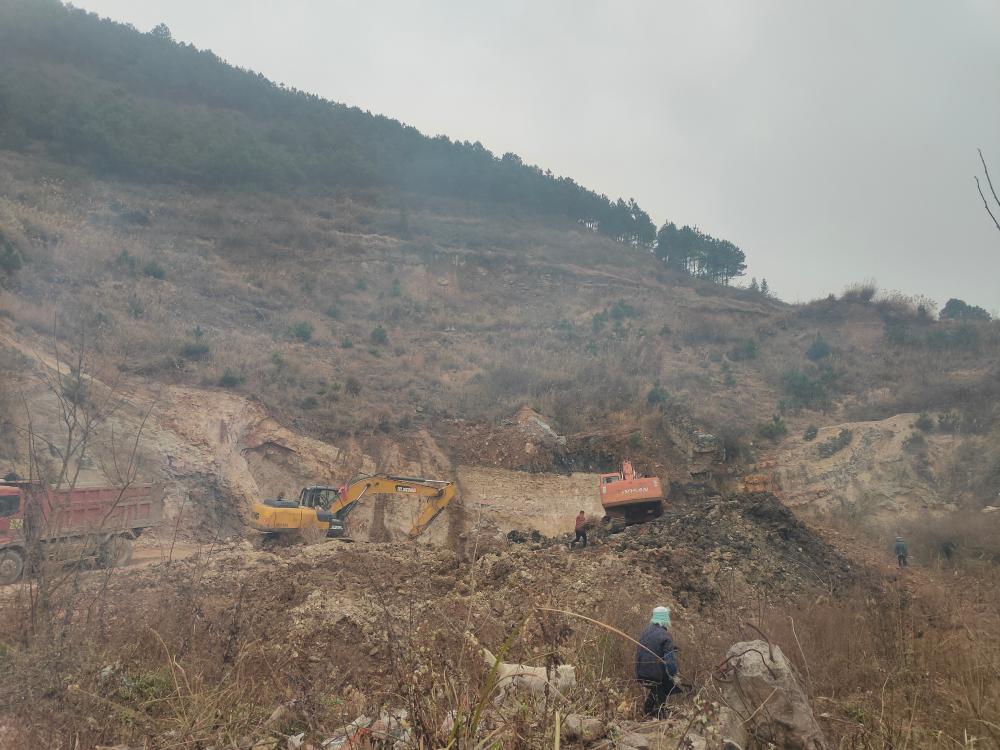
x: 833, y: 141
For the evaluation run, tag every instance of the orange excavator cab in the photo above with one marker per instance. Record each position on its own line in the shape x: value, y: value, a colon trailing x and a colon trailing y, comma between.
x: 629, y: 498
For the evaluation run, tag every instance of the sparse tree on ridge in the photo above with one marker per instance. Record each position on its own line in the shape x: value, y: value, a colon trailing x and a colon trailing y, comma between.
x: 692, y: 251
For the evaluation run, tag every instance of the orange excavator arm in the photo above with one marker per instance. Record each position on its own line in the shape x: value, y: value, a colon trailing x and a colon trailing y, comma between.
x: 438, y: 493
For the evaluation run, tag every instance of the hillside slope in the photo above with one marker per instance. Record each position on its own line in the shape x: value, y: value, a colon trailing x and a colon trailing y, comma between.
x: 413, y: 308
x: 97, y: 93
x: 345, y: 327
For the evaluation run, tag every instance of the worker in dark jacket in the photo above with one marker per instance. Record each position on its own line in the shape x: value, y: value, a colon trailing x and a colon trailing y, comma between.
x: 656, y: 660
x: 581, y: 530
x: 900, y: 551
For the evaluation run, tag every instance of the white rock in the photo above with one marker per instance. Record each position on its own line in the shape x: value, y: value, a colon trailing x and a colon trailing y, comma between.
x: 583, y: 728
x: 761, y: 676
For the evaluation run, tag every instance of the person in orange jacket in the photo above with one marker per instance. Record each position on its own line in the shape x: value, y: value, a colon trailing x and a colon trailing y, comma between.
x: 581, y: 530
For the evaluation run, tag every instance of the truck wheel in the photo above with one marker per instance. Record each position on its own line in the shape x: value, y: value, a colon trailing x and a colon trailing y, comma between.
x: 116, y: 552
x: 11, y: 566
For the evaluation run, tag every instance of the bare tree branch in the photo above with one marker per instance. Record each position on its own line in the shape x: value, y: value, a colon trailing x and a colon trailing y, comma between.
x: 986, y: 205
x: 989, y: 181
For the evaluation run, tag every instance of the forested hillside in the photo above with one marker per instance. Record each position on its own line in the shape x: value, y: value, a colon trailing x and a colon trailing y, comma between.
x: 142, y: 106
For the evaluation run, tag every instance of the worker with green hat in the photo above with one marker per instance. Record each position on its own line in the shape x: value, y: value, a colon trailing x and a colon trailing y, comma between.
x: 656, y: 660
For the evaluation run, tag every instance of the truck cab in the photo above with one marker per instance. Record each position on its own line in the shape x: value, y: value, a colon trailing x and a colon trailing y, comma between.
x: 11, y: 514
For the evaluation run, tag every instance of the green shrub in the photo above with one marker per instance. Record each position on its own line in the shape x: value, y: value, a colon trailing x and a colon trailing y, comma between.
x: 622, y: 309
x: 10, y: 258
x: 835, y: 444
x: 924, y: 423
x: 963, y: 337
x: 897, y: 333
x: 346, y: 344
x: 134, y: 306
x: 396, y: 290
x: 303, y: 330
x: 915, y: 443
x: 727, y: 375
x: 230, y: 379
x: 803, y: 390
x: 956, y: 309
x: 333, y: 312
x: 379, y: 337
x: 309, y: 402
x: 154, y: 270
x: 811, y: 432
x: 125, y: 262
x: 195, y: 350
x: 361, y: 285
x: 773, y: 430
x: 656, y: 395
x: 949, y: 422
x: 862, y: 293
x: 743, y: 350
x: 818, y: 349
x: 352, y: 386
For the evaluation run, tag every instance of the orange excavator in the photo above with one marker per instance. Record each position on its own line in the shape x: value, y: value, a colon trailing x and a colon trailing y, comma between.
x: 629, y: 498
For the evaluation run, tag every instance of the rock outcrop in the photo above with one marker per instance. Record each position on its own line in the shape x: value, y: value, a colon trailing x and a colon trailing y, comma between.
x: 765, y: 700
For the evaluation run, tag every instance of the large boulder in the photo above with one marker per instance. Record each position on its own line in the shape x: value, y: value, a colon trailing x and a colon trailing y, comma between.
x: 765, y: 700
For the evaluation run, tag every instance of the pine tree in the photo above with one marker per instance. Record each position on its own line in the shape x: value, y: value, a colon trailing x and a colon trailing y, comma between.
x: 764, y: 288
x: 754, y: 286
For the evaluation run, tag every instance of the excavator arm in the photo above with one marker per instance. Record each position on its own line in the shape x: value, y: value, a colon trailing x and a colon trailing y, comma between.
x: 437, y: 492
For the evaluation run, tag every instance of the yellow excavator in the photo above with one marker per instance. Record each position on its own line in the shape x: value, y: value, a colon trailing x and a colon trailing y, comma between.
x: 324, y: 509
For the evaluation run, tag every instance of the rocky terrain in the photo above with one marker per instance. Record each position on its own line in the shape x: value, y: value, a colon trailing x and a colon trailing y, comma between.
x: 234, y: 338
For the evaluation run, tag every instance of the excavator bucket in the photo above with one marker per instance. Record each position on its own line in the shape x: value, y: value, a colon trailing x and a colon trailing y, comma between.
x: 427, y: 514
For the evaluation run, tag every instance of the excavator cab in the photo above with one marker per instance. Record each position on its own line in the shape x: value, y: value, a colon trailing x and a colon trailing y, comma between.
x: 628, y: 497
x: 319, y: 496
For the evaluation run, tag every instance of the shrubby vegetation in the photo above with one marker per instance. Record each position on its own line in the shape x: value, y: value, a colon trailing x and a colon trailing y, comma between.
x: 148, y: 108
x: 145, y: 107
x: 302, y: 330
x: 835, y: 444
x: 956, y: 309
x: 818, y: 349
x: 773, y: 430
x: 743, y: 350
x: 803, y: 389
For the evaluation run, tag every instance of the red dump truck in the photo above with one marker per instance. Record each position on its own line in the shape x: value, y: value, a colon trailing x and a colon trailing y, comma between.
x: 94, y: 524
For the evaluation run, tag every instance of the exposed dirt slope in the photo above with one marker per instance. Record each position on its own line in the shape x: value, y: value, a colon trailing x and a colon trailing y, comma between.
x: 877, y: 470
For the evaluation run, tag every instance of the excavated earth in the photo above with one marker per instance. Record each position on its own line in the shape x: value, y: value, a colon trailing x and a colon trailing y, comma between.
x: 334, y: 598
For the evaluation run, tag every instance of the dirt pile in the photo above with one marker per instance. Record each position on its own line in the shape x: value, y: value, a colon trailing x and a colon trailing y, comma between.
x: 706, y: 547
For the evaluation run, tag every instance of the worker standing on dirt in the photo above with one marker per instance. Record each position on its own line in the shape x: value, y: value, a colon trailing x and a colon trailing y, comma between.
x: 901, y: 551
x: 581, y: 530
x: 656, y: 661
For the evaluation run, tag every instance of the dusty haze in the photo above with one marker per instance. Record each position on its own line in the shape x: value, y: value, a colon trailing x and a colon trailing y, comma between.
x: 832, y: 142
